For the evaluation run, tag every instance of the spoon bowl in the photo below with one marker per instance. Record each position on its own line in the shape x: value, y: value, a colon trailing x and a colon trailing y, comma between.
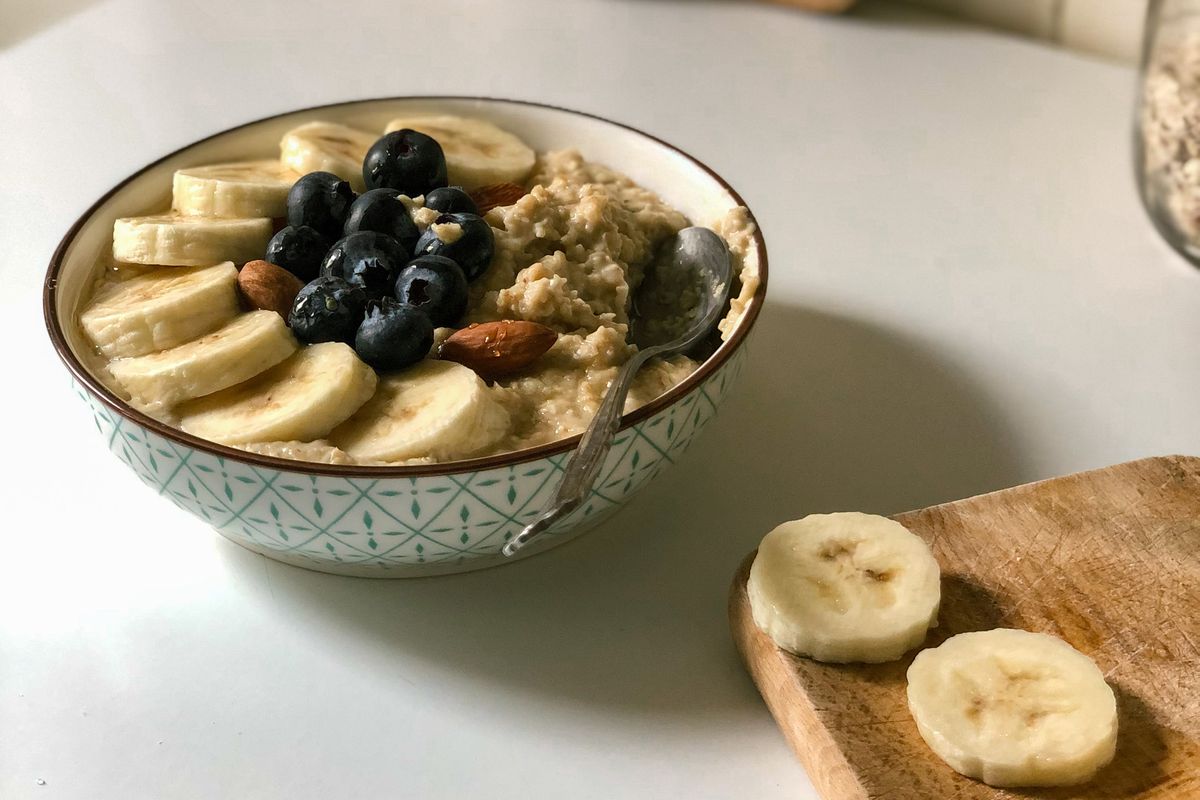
x: 684, y: 291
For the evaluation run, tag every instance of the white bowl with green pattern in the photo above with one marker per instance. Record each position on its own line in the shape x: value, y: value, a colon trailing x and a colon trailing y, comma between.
x: 412, y: 520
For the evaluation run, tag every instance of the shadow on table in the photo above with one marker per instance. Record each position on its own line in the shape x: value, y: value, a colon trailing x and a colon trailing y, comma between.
x: 872, y: 12
x: 831, y: 414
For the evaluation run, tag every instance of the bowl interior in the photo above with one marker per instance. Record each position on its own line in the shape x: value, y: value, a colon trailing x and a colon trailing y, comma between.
x: 677, y: 178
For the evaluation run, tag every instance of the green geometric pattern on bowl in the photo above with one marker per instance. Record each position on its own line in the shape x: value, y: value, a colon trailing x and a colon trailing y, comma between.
x: 395, y: 527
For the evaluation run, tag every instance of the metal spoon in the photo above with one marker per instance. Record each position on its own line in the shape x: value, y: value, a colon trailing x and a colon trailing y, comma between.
x: 677, y: 305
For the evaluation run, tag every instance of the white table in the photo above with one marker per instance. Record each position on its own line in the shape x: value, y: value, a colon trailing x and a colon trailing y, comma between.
x: 965, y: 295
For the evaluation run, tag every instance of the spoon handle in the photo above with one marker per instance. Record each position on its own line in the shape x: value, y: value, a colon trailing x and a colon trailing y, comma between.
x: 701, y: 252
x: 584, y: 465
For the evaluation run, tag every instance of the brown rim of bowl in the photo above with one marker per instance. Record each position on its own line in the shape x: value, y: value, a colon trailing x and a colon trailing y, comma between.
x: 707, y: 368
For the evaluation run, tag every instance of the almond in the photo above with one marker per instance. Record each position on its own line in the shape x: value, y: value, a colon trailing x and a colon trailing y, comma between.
x: 497, y: 194
x: 269, y: 287
x: 496, y: 349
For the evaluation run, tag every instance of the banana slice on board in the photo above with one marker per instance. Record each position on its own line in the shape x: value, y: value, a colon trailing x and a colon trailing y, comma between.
x: 246, y: 189
x: 1014, y: 708
x: 236, y: 352
x: 327, y: 147
x: 181, y: 240
x: 477, y: 152
x: 301, y: 399
x: 160, y: 309
x: 845, y: 587
x: 435, y: 408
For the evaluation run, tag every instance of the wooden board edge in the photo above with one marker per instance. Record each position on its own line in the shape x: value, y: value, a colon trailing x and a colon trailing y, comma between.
x: 1182, y: 463
x: 827, y: 766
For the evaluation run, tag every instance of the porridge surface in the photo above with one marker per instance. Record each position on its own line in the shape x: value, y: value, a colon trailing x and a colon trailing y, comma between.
x: 569, y: 255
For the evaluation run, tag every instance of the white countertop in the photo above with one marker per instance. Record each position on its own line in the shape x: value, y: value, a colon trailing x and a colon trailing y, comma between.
x: 965, y: 295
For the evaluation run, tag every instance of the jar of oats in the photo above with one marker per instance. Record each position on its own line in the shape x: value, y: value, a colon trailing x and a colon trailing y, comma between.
x: 1167, y: 130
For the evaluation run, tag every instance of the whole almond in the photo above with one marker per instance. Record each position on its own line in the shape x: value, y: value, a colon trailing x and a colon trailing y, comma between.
x: 269, y: 287
x: 496, y: 349
x: 497, y: 194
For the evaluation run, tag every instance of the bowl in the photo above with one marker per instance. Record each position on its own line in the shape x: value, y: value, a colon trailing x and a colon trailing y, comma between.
x: 405, y: 520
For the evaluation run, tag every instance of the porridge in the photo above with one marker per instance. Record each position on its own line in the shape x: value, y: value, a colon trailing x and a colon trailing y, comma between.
x: 439, y: 293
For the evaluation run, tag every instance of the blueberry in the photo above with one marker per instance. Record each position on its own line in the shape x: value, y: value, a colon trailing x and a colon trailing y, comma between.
x: 367, y: 259
x: 319, y: 200
x: 379, y: 210
x: 470, y: 247
x: 328, y: 310
x: 407, y: 161
x: 437, y: 286
x: 393, y: 335
x: 298, y: 250
x: 451, y: 199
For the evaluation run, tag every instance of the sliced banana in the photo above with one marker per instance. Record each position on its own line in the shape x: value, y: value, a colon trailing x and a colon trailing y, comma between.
x: 327, y: 147
x: 301, y: 399
x: 244, y: 189
x: 160, y: 309
x: 243, y: 348
x: 1014, y: 708
x: 477, y: 152
x: 180, y: 240
x: 436, y: 408
x: 845, y: 587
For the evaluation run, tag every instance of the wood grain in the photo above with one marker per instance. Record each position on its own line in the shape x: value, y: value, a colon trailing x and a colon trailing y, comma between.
x: 1109, y: 560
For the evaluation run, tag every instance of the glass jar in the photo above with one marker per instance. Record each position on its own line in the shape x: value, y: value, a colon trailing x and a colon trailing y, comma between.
x: 1167, y: 123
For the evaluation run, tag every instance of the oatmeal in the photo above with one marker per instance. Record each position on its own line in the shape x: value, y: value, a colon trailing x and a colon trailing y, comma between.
x: 1170, y: 135
x: 568, y: 255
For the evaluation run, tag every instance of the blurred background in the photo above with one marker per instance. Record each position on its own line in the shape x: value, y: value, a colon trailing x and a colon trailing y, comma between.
x: 1109, y: 28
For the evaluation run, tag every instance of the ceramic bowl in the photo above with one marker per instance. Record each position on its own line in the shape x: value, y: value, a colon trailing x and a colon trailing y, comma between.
x: 407, y: 520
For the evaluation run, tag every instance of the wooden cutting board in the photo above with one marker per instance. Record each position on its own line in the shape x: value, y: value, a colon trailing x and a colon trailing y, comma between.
x: 1109, y: 560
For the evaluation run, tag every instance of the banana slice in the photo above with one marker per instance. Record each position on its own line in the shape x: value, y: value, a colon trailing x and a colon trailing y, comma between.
x: 179, y: 240
x: 845, y: 587
x: 244, y: 189
x: 437, y: 409
x: 160, y: 309
x: 477, y: 152
x: 302, y: 399
x: 327, y: 147
x: 1014, y: 708
x: 238, y: 351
